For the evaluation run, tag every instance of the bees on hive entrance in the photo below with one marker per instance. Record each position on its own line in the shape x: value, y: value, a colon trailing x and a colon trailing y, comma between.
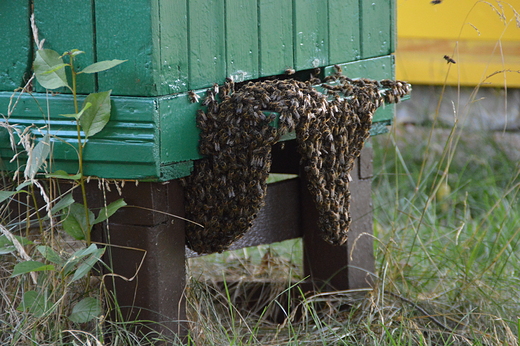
x: 227, y: 187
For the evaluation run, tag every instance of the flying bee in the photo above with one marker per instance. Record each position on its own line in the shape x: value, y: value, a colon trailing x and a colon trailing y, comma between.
x: 449, y: 59
x: 194, y: 98
x: 435, y: 2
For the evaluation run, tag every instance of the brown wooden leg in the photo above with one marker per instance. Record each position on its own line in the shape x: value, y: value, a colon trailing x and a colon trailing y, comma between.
x: 348, y: 266
x: 151, y: 244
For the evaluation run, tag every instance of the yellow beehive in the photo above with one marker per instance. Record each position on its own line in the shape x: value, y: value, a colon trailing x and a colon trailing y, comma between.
x: 482, y: 37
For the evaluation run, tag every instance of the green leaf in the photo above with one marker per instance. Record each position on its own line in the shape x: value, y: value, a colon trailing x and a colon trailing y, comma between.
x: 49, y: 254
x: 96, y: 117
x: 6, y: 194
x: 36, y: 303
x: 74, y: 52
x: 54, y: 69
x: 77, y: 116
x: 63, y: 203
x: 24, y: 184
x: 30, y: 266
x: 60, y: 174
x: 6, y: 245
x: 86, y: 266
x: 78, y: 257
x: 86, y: 310
x: 44, y: 66
x: 22, y: 240
x: 102, y: 66
x: 75, y: 223
x: 5, y: 249
x: 37, y: 157
x: 109, y: 210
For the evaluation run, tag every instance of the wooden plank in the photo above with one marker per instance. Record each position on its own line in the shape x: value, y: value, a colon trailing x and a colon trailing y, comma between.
x: 360, y: 245
x: 172, y: 46
x: 130, y: 139
x: 311, y: 45
x: 376, y: 28
x: 179, y: 132
x: 241, y: 39
x: 418, y: 61
x: 127, y: 30
x: 340, y: 267
x: 344, y: 40
x: 207, y: 54
x: 16, y: 41
x: 365, y: 165
x: 275, y: 36
x: 278, y: 220
x: 67, y: 25
x: 152, y: 248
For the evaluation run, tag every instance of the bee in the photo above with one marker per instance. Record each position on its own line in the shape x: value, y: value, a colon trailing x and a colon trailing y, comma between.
x: 215, y: 88
x: 194, y: 98
x: 290, y: 71
x: 449, y: 59
x: 338, y: 69
x: 435, y: 2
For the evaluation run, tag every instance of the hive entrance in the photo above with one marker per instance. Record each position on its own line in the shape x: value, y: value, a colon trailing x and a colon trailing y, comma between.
x: 227, y: 188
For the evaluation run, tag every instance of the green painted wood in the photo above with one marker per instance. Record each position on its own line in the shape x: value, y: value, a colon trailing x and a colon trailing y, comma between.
x: 241, y: 39
x: 179, y: 132
x: 152, y: 35
x: 376, y: 27
x: 311, y: 42
x: 126, y: 148
x: 344, y: 40
x: 207, y: 52
x: 147, y: 138
x: 173, y: 46
x: 275, y: 36
x: 126, y: 30
x: 15, y: 42
x: 393, y: 25
x: 67, y: 25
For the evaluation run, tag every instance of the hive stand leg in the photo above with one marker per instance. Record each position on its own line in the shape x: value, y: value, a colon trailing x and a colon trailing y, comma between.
x: 150, y: 243
x: 348, y: 266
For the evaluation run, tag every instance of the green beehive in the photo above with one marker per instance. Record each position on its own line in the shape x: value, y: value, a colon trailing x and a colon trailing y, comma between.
x: 172, y: 47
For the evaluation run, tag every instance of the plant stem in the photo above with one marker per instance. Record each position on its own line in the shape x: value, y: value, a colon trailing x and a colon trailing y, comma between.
x: 81, y: 180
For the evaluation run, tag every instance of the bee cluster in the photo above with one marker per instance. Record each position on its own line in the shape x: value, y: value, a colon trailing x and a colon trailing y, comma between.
x: 227, y: 188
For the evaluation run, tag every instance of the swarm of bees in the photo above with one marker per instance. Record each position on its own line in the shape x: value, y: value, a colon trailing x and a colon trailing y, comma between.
x: 227, y: 188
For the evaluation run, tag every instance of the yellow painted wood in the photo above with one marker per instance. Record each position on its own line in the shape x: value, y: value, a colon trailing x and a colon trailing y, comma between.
x: 482, y: 37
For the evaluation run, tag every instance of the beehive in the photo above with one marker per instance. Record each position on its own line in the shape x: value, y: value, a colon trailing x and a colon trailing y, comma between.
x: 483, y: 37
x: 173, y: 47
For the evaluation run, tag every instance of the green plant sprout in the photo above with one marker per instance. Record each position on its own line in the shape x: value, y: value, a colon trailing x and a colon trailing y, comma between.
x: 77, y: 219
x: 49, y: 69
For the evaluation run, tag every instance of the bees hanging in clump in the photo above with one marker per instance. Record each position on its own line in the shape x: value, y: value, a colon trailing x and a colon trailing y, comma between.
x: 227, y: 188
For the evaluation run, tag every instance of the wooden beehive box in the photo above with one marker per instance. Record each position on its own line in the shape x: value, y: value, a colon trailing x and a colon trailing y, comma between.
x: 172, y: 47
